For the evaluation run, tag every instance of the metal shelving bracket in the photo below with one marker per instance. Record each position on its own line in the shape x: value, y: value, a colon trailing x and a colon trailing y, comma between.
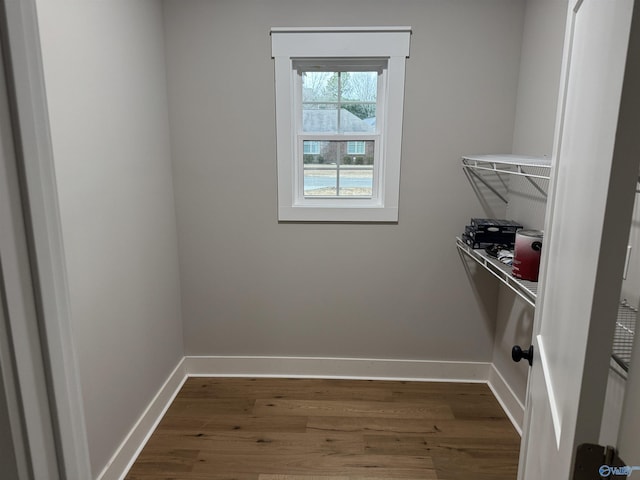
x: 523, y: 288
x: 510, y: 164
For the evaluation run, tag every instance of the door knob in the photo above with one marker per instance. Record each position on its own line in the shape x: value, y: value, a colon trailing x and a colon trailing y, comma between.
x: 518, y: 354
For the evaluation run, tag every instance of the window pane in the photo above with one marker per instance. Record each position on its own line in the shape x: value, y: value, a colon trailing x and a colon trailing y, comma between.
x: 311, y: 148
x: 356, y: 181
x: 320, y: 118
x: 339, y: 102
x: 339, y: 168
x: 355, y: 148
x: 320, y: 181
x: 319, y: 87
x: 360, y: 118
x: 323, y: 118
x: 356, y: 152
x: 359, y: 86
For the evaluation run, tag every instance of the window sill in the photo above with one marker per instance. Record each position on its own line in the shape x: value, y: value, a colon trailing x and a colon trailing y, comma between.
x: 338, y: 214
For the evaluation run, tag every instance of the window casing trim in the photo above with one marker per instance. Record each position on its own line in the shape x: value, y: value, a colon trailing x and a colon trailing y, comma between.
x: 291, y: 46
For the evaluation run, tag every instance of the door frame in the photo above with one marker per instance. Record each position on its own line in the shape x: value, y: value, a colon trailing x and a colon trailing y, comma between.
x: 34, y: 158
x: 46, y: 248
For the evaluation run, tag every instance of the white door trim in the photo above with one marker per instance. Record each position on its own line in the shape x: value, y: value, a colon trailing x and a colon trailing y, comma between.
x: 21, y: 372
x: 32, y: 119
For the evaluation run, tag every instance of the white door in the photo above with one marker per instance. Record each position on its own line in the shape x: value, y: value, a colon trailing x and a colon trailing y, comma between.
x: 596, y: 155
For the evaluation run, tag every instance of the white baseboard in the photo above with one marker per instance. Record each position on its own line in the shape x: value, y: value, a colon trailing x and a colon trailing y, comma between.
x: 347, y: 368
x: 509, y: 401
x: 304, y: 367
x: 128, y: 451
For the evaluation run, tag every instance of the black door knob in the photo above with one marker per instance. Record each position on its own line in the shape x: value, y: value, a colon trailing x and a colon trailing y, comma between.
x: 518, y: 354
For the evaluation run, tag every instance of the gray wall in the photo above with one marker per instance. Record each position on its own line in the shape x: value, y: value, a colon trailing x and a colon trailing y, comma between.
x: 252, y: 286
x: 538, y: 88
x: 105, y: 80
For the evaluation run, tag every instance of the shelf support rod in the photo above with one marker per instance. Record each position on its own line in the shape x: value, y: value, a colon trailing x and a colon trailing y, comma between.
x: 536, y: 186
x: 486, y: 184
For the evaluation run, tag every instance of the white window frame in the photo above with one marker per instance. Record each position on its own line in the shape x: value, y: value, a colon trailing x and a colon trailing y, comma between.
x: 290, y: 45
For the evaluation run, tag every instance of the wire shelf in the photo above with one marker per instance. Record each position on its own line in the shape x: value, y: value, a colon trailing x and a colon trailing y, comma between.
x: 523, y: 288
x: 510, y: 164
x: 528, y: 291
x: 538, y: 168
x: 623, y: 335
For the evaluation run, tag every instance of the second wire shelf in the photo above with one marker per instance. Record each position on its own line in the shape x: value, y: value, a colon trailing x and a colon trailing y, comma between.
x: 528, y: 291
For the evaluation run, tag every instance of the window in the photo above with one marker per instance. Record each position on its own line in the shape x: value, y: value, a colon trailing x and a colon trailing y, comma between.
x: 356, y: 148
x: 311, y: 148
x: 339, y: 99
x: 337, y: 103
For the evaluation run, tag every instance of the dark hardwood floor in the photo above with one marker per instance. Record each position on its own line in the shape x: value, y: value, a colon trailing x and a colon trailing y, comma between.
x: 300, y: 429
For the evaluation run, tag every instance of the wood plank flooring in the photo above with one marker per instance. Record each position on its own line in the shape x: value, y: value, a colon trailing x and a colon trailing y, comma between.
x: 301, y: 429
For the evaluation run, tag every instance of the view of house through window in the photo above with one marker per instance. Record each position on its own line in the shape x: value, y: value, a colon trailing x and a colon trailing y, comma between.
x: 339, y: 168
x: 338, y: 132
